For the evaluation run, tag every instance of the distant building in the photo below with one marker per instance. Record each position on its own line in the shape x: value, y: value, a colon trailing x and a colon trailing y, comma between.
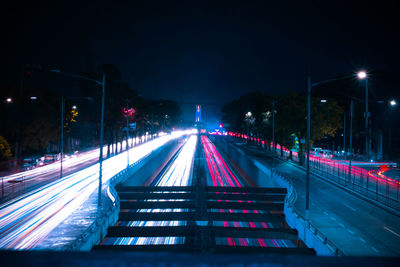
x: 198, y: 113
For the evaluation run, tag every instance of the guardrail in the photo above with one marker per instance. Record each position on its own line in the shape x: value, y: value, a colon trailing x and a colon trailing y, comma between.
x: 376, y: 187
x: 290, y: 207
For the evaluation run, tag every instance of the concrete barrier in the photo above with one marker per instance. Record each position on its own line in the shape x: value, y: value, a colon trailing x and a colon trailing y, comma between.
x: 306, y: 231
x: 110, y: 207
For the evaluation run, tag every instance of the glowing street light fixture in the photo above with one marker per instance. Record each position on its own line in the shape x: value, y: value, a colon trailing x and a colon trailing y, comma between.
x: 248, y: 114
x: 9, y: 100
x: 393, y: 102
x: 33, y: 97
x: 323, y: 101
x: 361, y: 75
x: 74, y: 107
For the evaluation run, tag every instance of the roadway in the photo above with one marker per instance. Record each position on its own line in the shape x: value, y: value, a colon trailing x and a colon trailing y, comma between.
x: 357, y: 227
x: 232, y: 201
x: 27, y: 220
x: 20, y: 183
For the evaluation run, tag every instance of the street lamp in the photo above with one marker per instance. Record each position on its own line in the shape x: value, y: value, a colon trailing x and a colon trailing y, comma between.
x: 360, y: 75
x: 9, y: 100
x: 103, y: 86
x: 363, y: 75
x: 248, y: 119
x: 393, y: 102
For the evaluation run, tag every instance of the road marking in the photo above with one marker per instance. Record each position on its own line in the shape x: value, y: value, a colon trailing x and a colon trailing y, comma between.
x: 377, y: 251
x: 390, y: 230
x: 333, y: 218
x: 353, y: 209
x: 326, y: 213
x: 362, y: 239
x: 351, y: 232
x: 341, y: 224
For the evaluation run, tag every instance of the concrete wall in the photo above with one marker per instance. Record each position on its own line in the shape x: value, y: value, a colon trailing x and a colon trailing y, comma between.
x: 136, y: 174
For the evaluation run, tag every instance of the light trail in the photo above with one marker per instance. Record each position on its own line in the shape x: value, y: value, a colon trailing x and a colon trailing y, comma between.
x: 26, y: 221
x: 178, y: 173
x: 221, y: 175
x: 68, y: 162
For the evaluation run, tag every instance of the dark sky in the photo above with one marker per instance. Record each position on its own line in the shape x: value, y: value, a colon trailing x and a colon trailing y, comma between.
x: 206, y: 52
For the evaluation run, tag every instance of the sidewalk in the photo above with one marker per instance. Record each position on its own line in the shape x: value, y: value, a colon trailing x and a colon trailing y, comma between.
x: 355, y: 226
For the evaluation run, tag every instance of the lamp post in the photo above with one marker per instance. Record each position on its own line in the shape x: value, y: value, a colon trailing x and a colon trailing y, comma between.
x: 62, y: 137
x: 351, y: 137
x: 360, y: 75
x: 273, y: 136
x: 103, y: 85
x: 248, y: 118
x: 127, y: 131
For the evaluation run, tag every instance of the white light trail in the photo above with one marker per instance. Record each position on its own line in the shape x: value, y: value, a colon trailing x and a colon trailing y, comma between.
x: 25, y: 222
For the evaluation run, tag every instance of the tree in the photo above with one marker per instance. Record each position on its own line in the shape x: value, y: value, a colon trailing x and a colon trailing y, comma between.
x: 5, y: 149
x: 290, y: 120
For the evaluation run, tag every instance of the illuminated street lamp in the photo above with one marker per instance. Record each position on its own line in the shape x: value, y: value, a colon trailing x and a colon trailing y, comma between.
x: 102, y: 83
x: 249, y: 119
x: 9, y: 100
x: 363, y: 75
x: 74, y: 107
x: 393, y: 102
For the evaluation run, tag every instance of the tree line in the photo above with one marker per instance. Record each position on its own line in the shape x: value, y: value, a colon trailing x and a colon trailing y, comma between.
x: 31, y: 116
x: 251, y: 114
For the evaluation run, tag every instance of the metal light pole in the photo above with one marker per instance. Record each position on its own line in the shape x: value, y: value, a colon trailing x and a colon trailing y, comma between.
x: 367, y: 142
x: 344, y: 132
x: 351, y: 137
x: 62, y: 137
x: 273, y: 136
x: 103, y: 94
x: 127, y: 131
x: 308, y: 148
x: 363, y: 75
x: 103, y: 85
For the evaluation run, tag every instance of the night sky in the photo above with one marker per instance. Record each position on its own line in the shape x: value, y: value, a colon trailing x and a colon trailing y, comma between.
x: 207, y: 52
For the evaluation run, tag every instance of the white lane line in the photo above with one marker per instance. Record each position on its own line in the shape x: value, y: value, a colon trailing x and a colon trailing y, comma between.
x: 326, y: 213
x: 362, y: 239
x: 390, y: 230
x: 353, y: 209
x: 351, y: 232
x: 341, y: 224
x: 376, y: 250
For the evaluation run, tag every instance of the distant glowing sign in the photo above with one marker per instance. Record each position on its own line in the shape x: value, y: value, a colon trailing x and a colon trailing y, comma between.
x: 131, y: 112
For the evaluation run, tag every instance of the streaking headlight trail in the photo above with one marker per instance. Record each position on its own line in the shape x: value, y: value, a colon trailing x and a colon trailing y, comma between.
x: 179, y: 173
x: 25, y: 222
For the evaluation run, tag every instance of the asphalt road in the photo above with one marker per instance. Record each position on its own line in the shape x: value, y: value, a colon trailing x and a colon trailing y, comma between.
x: 356, y: 226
